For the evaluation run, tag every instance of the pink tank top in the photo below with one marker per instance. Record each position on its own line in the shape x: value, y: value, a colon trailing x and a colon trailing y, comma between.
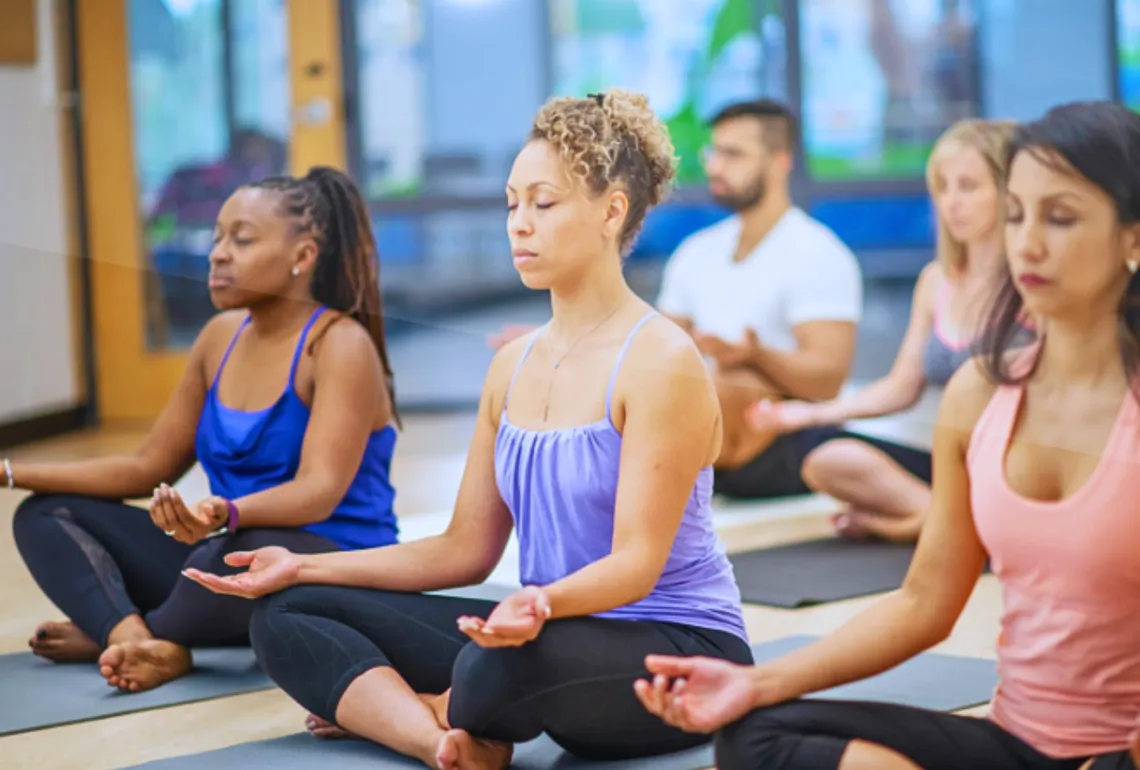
x: 1069, y: 649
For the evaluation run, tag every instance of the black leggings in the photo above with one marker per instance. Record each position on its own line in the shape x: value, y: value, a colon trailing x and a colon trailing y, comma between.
x: 101, y: 561
x: 813, y: 734
x: 776, y: 472
x: 574, y: 682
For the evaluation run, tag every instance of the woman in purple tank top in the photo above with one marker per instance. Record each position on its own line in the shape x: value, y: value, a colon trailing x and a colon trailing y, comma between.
x: 293, y: 270
x: 595, y: 440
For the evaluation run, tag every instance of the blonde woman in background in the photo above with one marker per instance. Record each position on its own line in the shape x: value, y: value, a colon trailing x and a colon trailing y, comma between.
x: 885, y: 486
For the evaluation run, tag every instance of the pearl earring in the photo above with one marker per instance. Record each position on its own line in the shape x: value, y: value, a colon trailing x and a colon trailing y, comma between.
x: 1132, y: 265
x: 297, y: 271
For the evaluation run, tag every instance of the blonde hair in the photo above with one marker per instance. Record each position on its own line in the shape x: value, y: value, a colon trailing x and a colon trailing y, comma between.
x: 612, y: 138
x: 992, y: 139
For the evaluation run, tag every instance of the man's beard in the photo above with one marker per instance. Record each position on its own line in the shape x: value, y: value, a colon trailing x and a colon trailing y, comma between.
x: 745, y: 199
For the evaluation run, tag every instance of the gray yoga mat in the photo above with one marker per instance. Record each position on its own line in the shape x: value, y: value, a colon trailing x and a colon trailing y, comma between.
x: 35, y: 693
x: 931, y: 681
x: 820, y: 571
x: 44, y: 694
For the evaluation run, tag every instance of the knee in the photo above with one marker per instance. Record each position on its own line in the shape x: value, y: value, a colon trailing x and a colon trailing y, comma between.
x: 746, y: 744
x: 485, y: 679
x: 265, y: 623
x: 838, y: 459
x: 31, y: 516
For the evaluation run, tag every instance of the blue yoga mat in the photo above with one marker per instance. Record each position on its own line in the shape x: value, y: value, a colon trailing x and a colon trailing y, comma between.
x: 932, y: 681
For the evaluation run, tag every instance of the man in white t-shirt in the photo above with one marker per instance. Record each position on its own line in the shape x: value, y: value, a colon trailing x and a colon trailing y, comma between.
x: 771, y: 296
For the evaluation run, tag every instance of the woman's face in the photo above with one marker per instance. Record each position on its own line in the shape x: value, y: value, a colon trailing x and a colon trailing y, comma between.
x: 255, y: 250
x: 556, y: 228
x: 966, y: 195
x: 1067, y: 252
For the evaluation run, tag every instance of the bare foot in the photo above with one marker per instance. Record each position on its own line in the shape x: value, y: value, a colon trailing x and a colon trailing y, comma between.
x: 136, y: 666
x: 319, y: 728
x: 64, y: 643
x: 459, y: 751
x: 863, y: 524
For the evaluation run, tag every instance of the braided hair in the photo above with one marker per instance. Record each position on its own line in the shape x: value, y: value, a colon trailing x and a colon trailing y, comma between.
x: 326, y: 204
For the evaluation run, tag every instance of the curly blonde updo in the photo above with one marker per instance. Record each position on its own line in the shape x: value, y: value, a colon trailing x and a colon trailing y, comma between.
x: 612, y: 139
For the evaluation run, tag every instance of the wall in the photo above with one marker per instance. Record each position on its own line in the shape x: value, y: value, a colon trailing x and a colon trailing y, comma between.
x: 38, y: 362
x: 1059, y: 52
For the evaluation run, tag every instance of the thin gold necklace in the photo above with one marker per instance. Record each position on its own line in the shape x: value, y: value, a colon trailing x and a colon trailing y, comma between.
x: 559, y: 359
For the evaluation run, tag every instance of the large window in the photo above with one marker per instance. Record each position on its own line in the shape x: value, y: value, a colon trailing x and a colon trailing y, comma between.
x: 690, y: 57
x: 1128, y: 52
x: 881, y: 80
x: 445, y: 91
x: 209, y: 93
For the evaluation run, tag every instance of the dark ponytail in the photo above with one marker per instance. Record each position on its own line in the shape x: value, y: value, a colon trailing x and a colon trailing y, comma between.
x: 328, y: 204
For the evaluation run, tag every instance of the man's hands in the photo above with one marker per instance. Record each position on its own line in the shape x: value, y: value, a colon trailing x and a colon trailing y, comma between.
x: 729, y: 354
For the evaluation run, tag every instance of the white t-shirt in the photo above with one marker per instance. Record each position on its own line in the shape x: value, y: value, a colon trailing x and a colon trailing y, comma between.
x: 800, y: 272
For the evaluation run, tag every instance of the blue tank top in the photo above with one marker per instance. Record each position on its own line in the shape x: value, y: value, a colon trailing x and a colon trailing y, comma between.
x: 244, y: 453
x: 561, y: 487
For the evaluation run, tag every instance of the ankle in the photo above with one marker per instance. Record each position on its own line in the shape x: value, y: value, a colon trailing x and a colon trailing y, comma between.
x: 130, y: 629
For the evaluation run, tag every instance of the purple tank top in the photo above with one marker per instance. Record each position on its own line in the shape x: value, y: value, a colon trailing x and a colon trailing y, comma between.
x: 561, y: 486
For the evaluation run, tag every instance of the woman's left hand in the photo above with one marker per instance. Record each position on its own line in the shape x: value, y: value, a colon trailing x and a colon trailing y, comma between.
x: 518, y: 619
x: 186, y: 525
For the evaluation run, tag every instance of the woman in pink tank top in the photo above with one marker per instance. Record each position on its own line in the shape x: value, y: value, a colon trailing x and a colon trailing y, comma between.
x: 1036, y: 460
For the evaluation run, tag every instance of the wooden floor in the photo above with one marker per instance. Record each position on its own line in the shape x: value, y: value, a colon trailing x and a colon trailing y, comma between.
x: 427, y: 470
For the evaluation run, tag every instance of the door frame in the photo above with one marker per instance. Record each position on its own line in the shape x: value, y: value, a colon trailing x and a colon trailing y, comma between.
x: 132, y: 382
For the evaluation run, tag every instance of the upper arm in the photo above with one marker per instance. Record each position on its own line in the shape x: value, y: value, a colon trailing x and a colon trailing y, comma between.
x: 168, y: 451
x: 950, y: 555
x: 826, y: 284
x: 481, y: 518
x: 349, y: 397
x: 831, y: 342
x: 907, y: 367
x: 670, y: 431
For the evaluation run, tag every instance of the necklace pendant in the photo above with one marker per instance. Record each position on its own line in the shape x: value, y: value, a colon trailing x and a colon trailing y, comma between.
x: 556, y: 363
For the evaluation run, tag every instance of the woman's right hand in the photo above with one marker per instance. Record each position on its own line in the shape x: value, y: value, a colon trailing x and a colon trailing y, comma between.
x: 784, y: 416
x: 271, y: 569
x: 699, y: 694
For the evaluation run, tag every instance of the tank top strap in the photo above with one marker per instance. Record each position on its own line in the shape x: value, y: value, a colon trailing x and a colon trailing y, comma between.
x: 621, y: 356
x: 301, y: 344
x: 229, y: 349
x: 518, y: 368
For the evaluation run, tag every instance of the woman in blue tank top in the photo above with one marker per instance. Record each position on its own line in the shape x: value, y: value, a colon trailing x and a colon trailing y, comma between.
x: 595, y: 440
x: 286, y: 403
x: 883, y: 485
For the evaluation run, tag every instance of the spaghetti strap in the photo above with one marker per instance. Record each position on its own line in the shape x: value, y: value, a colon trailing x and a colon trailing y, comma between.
x: 229, y: 349
x: 518, y: 368
x: 621, y: 356
x: 301, y: 343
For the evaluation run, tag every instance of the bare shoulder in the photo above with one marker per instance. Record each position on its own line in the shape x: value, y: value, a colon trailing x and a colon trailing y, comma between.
x: 502, y: 369
x: 966, y: 397
x: 211, y: 343
x: 220, y: 329
x: 340, y: 338
x: 929, y: 281
x: 663, y: 359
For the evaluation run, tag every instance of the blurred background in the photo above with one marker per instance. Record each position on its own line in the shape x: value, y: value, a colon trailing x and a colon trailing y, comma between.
x: 125, y: 124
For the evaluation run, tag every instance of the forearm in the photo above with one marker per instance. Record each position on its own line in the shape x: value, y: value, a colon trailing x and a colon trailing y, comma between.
x: 610, y: 582
x: 121, y: 477
x: 886, y: 396
x: 802, y: 375
x: 888, y: 633
x: 295, y: 503
x: 431, y: 564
